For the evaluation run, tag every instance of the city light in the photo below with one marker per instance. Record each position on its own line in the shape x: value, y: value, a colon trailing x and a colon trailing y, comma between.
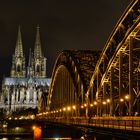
x: 74, y: 107
x: 64, y: 109
x: 127, y: 97
x: 95, y: 103
x: 68, y: 108
x: 108, y: 100
x: 33, y: 127
x: 104, y: 103
x: 16, y: 118
x: 82, y: 106
x: 121, y: 100
x: 91, y: 105
x: 85, y: 105
x: 10, y: 118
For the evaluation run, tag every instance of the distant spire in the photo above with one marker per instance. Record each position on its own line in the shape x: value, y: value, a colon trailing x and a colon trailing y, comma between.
x: 30, y: 58
x: 29, y: 72
x: 19, y: 49
x: 37, y: 48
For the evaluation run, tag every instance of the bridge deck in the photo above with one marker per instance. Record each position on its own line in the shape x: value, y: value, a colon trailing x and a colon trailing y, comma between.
x: 120, y: 123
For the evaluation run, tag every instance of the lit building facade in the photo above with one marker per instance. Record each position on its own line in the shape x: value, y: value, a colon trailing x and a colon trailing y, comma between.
x: 27, y: 81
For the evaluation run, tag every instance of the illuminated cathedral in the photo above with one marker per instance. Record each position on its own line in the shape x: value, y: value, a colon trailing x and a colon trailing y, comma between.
x: 27, y: 80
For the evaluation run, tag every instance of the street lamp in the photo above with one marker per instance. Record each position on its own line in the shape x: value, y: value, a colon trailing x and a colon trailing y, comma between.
x: 91, y: 105
x: 82, y: 106
x: 85, y: 105
x: 96, y: 109
x: 74, y: 107
x: 95, y: 103
x: 64, y: 109
x: 108, y: 100
x: 68, y: 108
x: 104, y: 103
x: 121, y: 100
x: 127, y: 97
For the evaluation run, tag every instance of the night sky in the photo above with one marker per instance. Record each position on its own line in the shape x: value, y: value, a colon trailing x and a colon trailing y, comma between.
x: 64, y: 24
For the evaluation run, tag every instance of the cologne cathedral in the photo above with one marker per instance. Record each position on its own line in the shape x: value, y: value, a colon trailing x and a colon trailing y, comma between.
x: 27, y: 81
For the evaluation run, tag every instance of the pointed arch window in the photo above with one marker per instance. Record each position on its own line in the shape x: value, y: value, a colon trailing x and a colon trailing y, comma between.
x: 37, y: 68
x: 18, y: 68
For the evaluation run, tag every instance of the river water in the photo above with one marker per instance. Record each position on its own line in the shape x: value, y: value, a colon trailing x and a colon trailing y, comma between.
x: 53, y: 132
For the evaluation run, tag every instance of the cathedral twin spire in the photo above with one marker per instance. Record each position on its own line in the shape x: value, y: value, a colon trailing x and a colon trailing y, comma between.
x: 36, y: 65
x: 37, y: 48
x: 19, y: 49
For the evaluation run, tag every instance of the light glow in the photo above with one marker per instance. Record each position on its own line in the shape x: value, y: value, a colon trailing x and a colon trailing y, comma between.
x: 74, y: 107
x: 104, y: 103
x: 82, y: 106
x: 121, y: 100
x: 95, y: 103
x: 68, y: 108
x: 85, y: 105
x: 127, y: 97
x: 108, y: 100
x: 91, y: 105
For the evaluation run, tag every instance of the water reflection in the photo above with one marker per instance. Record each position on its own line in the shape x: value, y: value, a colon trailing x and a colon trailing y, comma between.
x: 49, y: 132
x: 37, y: 132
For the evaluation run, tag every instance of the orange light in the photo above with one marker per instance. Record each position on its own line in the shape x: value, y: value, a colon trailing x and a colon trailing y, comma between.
x: 82, y: 106
x: 104, y: 103
x: 121, y: 100
x: 37, y: 133
x: 95, y: 103
x: 108, y: 100
x: 85, y: 105
x: 68, y: 108
x: 64, y: 109
x: 127, y: 97
x: 91, y: 105
x: 33, y: 127
x: 74, y: 107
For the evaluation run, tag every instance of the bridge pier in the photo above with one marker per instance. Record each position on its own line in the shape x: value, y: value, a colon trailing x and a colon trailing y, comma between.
x: 131, y: 93
x: 121, y: 105
x: 112, y: 92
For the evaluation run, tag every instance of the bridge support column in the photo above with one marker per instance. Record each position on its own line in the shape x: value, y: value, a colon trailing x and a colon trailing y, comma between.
x: 120, y: 85
x: 99, y: 109
x: 112, y: 92
x: 104, y: 99
x: 131, y: 95
x: 87, y: 107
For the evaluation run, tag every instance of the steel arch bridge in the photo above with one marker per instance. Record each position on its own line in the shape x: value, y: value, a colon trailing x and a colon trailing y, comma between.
x: 103, y: 83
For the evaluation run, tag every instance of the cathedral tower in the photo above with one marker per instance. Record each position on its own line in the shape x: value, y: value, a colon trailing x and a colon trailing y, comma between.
x: 39, y: 59
x: 18, y: 61
x: 24, y: 88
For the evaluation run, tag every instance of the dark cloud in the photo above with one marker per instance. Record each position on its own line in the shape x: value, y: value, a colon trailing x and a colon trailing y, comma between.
x: 64, y: 24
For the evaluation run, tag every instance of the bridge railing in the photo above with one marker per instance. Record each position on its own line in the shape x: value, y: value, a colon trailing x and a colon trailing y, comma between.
x: 122, y: 123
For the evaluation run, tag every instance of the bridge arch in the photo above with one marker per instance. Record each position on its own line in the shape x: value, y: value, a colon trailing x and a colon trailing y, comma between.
x: 116, y: 75
x: 70, y: 79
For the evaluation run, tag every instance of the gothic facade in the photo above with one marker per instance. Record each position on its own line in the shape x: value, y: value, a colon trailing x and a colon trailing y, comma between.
x: 27, y: 81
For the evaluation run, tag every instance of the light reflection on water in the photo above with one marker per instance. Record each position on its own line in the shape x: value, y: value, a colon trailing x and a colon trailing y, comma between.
x: 57, y: 133
x: 20, y: 138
